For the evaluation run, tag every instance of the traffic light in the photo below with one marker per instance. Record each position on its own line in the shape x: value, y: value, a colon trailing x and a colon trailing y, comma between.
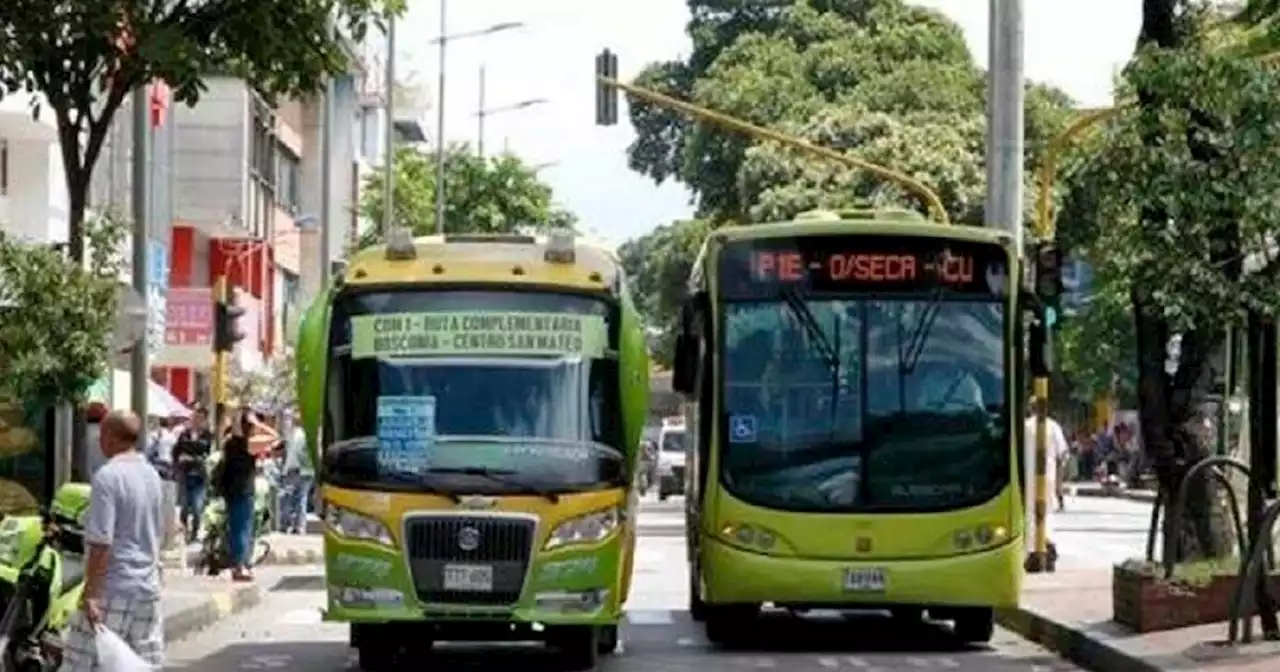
x: 225, y: 337
x: 606, y: 94
x: 1049, y: 281
x: 225, y: 316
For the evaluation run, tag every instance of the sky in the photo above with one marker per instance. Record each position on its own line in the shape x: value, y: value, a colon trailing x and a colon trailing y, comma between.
x: 552, y: 57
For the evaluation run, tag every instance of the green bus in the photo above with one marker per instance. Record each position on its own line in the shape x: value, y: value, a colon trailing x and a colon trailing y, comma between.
x: 852, y: 383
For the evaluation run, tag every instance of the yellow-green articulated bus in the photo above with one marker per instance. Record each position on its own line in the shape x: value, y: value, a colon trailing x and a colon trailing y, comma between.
x: 474, y: 404
x: 852, y: 424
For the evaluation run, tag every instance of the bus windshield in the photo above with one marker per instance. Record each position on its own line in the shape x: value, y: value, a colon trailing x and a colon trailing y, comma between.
x: 487, y: 392
x: 841, y: 399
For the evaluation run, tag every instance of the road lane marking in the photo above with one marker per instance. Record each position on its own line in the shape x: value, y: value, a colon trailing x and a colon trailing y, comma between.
x: 650, y: 617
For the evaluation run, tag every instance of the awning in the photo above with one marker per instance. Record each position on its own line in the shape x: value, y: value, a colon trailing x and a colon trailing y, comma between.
x: 160, y: 402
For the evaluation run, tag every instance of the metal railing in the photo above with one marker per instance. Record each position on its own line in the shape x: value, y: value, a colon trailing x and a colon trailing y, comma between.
x: 1256, y: 552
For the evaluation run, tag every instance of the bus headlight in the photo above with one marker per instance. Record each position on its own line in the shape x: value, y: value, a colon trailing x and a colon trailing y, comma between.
x: 589, y: 529
x: 750, y: 536
x: 357, y: 526
x: 981, y: 536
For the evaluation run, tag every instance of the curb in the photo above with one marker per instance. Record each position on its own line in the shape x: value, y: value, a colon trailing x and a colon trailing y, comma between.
x: 1138, y: 496
x: 293, y: 557
x: 218, y: 606
x: 1070, y: 643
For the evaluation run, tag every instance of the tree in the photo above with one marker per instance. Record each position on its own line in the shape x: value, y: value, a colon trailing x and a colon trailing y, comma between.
x: 86, y: 56
x: 887, y: 81
x: 270, y: 388
x: 658, y: 265
x: 1182, y: 187
x: 497, y: 194
x: 59, y: 316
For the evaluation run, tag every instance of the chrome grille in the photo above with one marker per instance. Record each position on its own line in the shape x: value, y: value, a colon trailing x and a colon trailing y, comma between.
x: 504, y: 543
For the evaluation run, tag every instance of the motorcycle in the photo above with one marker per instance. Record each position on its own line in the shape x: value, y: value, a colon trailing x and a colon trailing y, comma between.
x: 41, y: 580
x: 215, y: 550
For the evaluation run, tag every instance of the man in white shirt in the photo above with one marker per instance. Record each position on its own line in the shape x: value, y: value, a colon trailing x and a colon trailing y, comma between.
x: 1057, y: 450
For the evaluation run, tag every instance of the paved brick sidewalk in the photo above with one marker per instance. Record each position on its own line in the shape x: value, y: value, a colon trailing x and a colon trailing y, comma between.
x: 1070, y: 613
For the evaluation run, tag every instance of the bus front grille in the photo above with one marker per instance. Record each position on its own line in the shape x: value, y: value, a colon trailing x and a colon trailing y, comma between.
x: 436, y: 544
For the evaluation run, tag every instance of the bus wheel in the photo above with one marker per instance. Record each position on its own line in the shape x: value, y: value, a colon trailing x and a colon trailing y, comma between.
x: 697, y: 608
x: 607, y: 640
x: 728, y: 625
x: 975, y: 626
x: 907, y: 614
x: 375, y: 658
x: 578, y: 645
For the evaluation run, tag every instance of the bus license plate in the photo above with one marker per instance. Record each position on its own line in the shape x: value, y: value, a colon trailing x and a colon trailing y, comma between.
x: 864, y: 580
x: 469, y: 578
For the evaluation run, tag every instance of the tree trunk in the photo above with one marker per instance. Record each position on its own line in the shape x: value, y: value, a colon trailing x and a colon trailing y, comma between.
x: 1172, y: 435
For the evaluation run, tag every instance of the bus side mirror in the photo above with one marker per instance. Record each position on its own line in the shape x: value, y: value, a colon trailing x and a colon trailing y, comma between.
x: 685, y: 370
x: 684, y: 374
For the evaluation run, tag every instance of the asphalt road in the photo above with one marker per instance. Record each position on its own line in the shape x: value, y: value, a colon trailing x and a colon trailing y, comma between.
x: 285, y: 632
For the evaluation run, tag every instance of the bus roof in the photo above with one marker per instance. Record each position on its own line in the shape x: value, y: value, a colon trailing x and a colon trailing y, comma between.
x: 504, y: 259
x: 885, y: 222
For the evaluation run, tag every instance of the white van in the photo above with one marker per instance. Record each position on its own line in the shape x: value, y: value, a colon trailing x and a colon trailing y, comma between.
x: 671, y: 458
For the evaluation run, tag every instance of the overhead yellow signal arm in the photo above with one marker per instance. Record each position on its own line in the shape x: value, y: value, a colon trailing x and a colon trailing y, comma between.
x: 934, y: 204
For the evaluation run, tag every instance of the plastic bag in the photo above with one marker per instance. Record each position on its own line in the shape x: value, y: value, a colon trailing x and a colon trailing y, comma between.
x: 115, y: 655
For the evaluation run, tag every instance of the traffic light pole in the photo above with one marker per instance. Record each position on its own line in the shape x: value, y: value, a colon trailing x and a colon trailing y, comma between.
x: 220, y: 300
x: 139, y: 365
x: 924, y: 193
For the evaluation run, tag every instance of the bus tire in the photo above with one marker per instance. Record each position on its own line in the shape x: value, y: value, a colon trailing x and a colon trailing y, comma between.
x: 578, y: 646
x: 975, y: 626
x: 375, y: 656
x: 607, y: 640
x: 727, y: 625
x: 697, y: 608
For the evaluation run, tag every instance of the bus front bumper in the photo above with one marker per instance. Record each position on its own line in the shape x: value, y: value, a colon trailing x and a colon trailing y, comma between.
x: 990, y: 578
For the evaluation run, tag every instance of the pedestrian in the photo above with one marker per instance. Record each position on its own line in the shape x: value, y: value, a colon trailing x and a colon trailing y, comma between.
x: 123, y: 532
x: 299, y: 478
x: 190, y: 458
x: 1057, y: 450
x: 234, y: 480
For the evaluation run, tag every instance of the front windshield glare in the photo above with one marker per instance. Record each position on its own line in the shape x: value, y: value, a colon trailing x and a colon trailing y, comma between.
x: 910, y: 414
x: 522, y: 384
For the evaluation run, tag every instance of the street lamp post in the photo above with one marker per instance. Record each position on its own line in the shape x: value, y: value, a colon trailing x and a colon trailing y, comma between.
x: 482, y: 112
x: 443, y: 40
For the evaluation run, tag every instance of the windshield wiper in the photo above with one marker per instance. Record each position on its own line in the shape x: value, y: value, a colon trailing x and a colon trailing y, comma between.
x: 503, y: 477
x: 791, y: 297
x: 908, y: 360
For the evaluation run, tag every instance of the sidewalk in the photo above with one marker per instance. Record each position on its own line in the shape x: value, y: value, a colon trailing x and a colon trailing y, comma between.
x: 1096, y: 490
x: 1069, y: 613
x: 193, y: 603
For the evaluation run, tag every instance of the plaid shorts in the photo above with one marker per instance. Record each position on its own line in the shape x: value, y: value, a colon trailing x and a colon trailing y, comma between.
x: 138, y: 622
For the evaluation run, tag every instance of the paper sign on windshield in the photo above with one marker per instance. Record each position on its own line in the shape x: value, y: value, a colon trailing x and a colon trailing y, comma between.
x: 477, y: 333
x: 406, y: 432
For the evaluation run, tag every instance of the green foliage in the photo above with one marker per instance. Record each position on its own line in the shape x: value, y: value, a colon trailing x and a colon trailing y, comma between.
x: 658, y: 266
x: 58, y: 316
x: 496, y: 194
x: 271, y: 388
x: 86, y: 56
x: 892, y: 83
x: 1203, y: 154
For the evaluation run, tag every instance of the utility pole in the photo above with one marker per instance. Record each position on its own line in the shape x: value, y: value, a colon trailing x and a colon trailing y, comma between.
x: 1005, y: 119
x: 480, y: 114
x: 139, y: 373
x: 444, y: 41
x: 326, y: 184
x: 389, y: 161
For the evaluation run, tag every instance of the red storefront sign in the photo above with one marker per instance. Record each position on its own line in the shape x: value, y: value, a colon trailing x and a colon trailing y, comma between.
x: 189, y: 317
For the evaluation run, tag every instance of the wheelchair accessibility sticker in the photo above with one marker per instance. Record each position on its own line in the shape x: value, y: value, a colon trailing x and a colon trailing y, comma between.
x: 742, y: 429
